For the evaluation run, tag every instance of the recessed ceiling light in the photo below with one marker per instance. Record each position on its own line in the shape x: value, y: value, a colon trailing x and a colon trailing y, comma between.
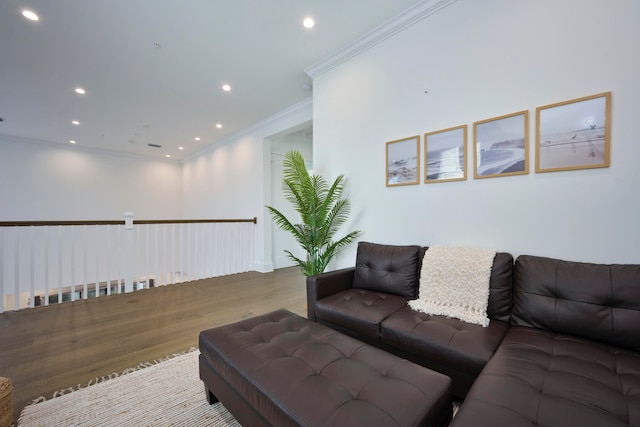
x: 75, y: 122
x: 219, y: 126
x: 226, y: 88
x: 30, y: 15
x: 180, y: 148
x: 72, y: 142
x: 167, y: 155
x: 308, y: 22
x: 197, y: 138
x: 80, y: 91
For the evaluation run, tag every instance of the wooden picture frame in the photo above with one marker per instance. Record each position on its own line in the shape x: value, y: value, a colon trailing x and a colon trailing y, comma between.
x: 501, y: 146
x: 574, y: 134
x: 445, y: 154
x: 403, y: 161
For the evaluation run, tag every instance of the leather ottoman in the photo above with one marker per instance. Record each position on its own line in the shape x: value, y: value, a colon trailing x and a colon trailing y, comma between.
x: 280, y: 369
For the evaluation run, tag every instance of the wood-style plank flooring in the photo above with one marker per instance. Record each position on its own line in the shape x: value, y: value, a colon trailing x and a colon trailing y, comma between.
x: 46, y: 349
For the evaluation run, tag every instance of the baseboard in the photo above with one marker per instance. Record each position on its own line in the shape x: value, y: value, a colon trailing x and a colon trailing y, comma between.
x: 264, y: 267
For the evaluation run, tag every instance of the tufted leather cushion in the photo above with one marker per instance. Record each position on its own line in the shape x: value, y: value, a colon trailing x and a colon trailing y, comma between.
x: 451, y: 346
x: 296, y: 372
x: 358, y: 310
x: 325, y: 284
x: 594, y: 301
x: 540, y: 378
x: 387, y: 268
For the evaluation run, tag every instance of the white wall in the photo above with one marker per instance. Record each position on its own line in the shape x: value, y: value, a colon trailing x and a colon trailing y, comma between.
x: 232, y: 179
x: 41, y: 181
x: 478, y: 60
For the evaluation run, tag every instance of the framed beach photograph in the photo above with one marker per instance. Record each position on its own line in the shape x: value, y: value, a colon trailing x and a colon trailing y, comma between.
x: 501, y: 146
x: 403, y: 165
x: 446, y: 155
x: 574, y: 134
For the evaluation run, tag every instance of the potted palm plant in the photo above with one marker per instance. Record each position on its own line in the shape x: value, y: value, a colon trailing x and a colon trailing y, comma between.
x: 322, y: 213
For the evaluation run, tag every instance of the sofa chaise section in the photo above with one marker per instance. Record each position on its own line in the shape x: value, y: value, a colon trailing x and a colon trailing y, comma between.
x: 572, y: 355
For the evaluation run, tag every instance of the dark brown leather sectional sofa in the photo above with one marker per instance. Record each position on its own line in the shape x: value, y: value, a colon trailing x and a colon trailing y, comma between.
x: 562, y: 346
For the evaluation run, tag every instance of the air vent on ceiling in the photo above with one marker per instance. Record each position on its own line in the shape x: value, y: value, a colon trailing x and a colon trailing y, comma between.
x: 154, y: 145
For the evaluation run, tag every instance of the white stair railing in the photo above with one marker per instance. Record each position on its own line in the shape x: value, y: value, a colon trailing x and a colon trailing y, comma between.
x: 43, y: 263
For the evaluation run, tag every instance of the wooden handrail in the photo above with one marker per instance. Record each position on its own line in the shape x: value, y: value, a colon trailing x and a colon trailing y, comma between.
x: 119, y: 222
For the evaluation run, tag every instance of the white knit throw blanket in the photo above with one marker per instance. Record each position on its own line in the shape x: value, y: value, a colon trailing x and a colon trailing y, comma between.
x: 454, y: 282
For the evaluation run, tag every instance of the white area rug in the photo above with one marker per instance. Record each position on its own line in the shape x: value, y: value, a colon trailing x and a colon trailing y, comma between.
x: 168, y: 393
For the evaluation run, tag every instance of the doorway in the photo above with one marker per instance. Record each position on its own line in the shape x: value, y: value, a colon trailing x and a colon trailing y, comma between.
x: 300, y: 139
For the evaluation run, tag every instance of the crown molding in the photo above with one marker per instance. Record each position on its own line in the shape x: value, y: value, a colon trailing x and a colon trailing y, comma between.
x: 405, y: 19
x: 303, y: 106
x: 51, y: 144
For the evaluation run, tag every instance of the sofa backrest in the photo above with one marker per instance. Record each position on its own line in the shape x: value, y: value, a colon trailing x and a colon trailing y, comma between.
x: 396, y: 270
x: 595, y: 301
x: 387, y: 268
x: 501, y: 287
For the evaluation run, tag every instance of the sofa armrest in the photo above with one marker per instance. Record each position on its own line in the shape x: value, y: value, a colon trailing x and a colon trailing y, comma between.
x: 324, y: 284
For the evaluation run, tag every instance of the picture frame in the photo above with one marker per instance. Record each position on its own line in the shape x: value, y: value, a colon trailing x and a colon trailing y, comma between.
x: 445, y: 154
x: 403, y: 161
x: 501, y: 146
x: 574, y: 134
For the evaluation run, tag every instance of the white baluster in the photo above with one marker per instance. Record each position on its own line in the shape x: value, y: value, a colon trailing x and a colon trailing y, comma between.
x: 156, y: 263
x: 97, y: 252
x: 181, y: 254
x: 172, y: 277
x: 128, y: 251
x: 85, y: 276
x: 32, y: 268
x: 119, y: 259
x: 108, y: 258
x: 16, y: 293
x: 163, y: 259
x: 46, y: 265
x: 59, y: 264
x: 73, y: 263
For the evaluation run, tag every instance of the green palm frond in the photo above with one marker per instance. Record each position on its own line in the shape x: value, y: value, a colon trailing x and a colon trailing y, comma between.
x: 322, y: 212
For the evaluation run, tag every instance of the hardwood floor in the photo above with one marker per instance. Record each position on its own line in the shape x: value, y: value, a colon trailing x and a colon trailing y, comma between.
x: 46, y: 349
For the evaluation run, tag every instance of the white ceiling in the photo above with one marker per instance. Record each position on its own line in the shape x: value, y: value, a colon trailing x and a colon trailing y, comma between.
x: 153, y: 69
